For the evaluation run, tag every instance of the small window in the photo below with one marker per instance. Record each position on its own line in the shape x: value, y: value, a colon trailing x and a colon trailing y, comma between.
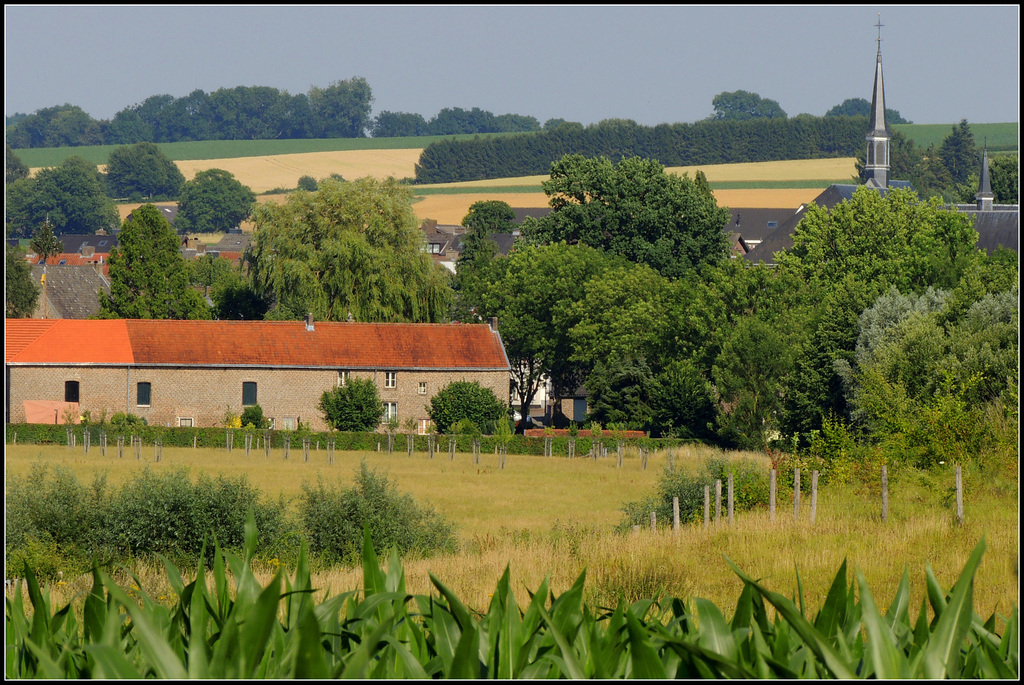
x: 248, y: 393
x: 390, y: 379
x: 288, y: 423
x: 143, y: 391
x: 423, y: 388
x: 390, y: 411
x: 184, y: 422
x: 343, y: 377
x: 773, y: 224
x: 70, y: 391
x: 424, y: 426
x: 102, y: 243
x: 63, y: 261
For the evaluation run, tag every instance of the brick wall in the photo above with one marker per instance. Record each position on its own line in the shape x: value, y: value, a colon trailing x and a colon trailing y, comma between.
x: 204, y: 395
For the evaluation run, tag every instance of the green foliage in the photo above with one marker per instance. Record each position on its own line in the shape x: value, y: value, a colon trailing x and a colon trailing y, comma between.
x: 741, y: 105
x: 142, y: 171
x: 71, y: 196
x: 959, y: 154
x: 859, y: 107
x: 126, y: 422
x: 461, y: 400
x: 750, y: 490
x: 384, y: 632
x: 682, y: 403
x: 20, y: 292
x: 334, y: 519
x: 348, y: 248
x: 14, y: 168
x: 489, y: 216
x: 213, y: 201
x: 307, y: 183
x: 148, y: 276
x: 466, y: 427
x: 1004, y: 178
x: 354, y: 406
x: 633, y: 209
x: 253, y: 416
x: 620, y: 391
x: 341, y: 110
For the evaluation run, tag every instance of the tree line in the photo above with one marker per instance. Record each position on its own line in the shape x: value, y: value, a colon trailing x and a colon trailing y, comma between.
x: 703, y: 142
x: 341, y: 110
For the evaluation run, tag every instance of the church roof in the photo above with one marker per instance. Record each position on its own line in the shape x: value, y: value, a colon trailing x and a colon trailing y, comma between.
x: 877, y: 123
x: 984, y: 186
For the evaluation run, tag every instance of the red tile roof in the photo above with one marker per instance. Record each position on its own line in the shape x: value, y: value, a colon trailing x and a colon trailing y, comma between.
x: 70, y: 258
x: 72, y: 341
x: 267, y: 343
x: 20, y: 333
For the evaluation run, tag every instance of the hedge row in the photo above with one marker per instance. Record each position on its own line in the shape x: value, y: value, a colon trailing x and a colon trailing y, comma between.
x: 47, y: 434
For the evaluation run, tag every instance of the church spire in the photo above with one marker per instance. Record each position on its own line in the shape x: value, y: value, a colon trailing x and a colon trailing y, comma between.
x: 984, y: 197
x: 877, y: 163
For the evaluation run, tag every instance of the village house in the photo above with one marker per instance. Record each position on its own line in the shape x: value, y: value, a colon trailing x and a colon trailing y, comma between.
x: 191, y: 373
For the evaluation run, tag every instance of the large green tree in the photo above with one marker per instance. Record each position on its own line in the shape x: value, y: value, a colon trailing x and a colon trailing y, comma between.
x: 633, y: 209
x: 1004, y: 173
x: 342, y: 109
x: 959, y: 154
x: 20, y: 291
x: 740, y: 105
x: 212, y: 202
x: 354, y: 406
x: 349, y: 248
x: 14, y: 168
x: 72, y: 196
x: 148, y: 276
x: 466, y: 400
x: 859, y: 107
x: 489, y: 216
x: 142, y: 171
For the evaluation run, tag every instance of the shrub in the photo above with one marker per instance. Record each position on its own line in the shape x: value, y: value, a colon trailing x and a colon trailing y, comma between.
x: 465, y: 400
x: 307, y: 183
x: 333, y: 519
x: 253, y: 415
x: 355, y: 406
x: 122, y: 421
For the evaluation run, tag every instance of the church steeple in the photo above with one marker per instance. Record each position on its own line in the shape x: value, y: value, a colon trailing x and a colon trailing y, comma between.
x: 876, y: 166
x: 984, y: 197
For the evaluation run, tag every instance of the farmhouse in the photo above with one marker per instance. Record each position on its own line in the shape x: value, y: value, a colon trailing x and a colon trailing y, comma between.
x: 190, y: 373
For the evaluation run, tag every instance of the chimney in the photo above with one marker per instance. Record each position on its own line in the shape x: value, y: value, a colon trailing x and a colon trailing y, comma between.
x: 493, y: 322
x: 88, y: 250
x: 309, y: 322
x: 200, y: 247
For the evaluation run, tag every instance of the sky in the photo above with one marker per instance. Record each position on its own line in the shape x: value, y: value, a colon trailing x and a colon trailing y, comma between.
x: 652, y: 64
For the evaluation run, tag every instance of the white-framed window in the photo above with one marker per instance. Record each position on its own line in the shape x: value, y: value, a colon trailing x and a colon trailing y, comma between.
x: 423, y: 388
x: 390, y: 379
x: 185, y: 422
x: 288, y: 423
x: 390, y: 411
x: 343, y: 377
x: 424, y: 426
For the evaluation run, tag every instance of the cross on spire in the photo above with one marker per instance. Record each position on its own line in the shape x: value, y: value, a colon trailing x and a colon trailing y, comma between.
x: 879, y: 25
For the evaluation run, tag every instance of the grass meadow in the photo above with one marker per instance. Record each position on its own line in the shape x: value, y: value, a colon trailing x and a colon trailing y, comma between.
x: 554, y: 517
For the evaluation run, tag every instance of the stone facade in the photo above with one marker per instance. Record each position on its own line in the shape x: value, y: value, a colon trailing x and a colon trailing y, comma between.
x: 204, y: 396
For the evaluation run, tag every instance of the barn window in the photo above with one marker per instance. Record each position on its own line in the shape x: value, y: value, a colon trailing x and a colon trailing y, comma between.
x: 70, y: 391
x: 248, y: 393
x: 143, y: 391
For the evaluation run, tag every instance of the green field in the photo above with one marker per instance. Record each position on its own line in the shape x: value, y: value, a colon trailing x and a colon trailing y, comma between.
x: 1001, y: 137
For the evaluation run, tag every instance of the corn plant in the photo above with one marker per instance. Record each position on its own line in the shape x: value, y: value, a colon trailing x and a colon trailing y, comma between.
x: 245, y: 630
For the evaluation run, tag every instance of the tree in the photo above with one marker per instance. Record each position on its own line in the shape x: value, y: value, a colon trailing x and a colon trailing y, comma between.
x: 354, y: 406
x: 20, y: 291
x: 213, y: 202
x: 740, y: 105
x: 959, y: 154
x: 342, y: 109
x: 398, y: 124
x: 620, y: 392
x: 234, y: 299
x: 682, y: 402
x: 142, y: 171
x: 253, y: 415
x: 72, y: 196
x: 59, y: 126
x: 633, y: 209
x: 45, y: 244
x: 489, y: 216
x: 460, y: 400
x: 148, y: 276
x: 14, y: 168
x: 349, y: 248
x: 1004, y: 177
x: 307, y: 183
x: 859, y: 107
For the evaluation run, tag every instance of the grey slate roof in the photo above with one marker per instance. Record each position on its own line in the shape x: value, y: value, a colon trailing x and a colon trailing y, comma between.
x: 232, y: 242
x: 997, y: 228
x: 756, y: 223
x: 169, y: 212
x: 102, y: 244
x: 71, y: 290
x: 532, y: 212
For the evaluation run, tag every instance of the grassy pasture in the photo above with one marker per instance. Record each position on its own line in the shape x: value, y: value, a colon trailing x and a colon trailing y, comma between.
x: 553, y: 517
x: 1003, y: 137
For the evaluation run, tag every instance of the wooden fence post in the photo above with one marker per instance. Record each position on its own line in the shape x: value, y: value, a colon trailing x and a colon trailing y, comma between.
x: 675, y: 515
x: 959, y: 497
x: 814, y: 495
x: 654, y: 521
x: 718, y: 501
x: 730, y: 499
x: 796, y: 494
x: 771, y: 495
x: 707, y: 504
x: 885, y: 494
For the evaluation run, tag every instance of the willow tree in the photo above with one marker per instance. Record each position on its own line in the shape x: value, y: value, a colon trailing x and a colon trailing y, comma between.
x: 349, y: 248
